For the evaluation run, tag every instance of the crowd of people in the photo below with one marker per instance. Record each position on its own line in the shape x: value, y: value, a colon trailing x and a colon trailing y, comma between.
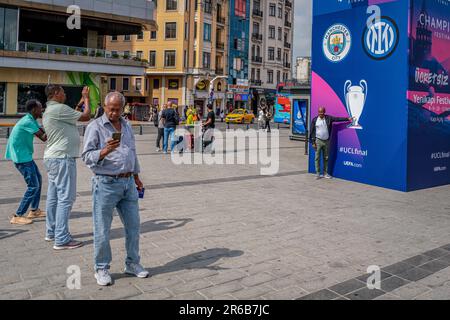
x: 109, y: 150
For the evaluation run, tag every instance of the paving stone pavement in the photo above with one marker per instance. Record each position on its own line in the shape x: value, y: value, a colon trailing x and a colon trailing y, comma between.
x: 226, y: 232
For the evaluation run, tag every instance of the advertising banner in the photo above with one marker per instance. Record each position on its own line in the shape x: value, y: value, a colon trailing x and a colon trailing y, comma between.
x: 282, y: 109
x: 299, y: 116
x: 429, y: 94
x: 360, y: 68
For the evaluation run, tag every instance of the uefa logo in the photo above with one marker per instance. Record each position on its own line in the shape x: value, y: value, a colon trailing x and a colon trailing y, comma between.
x: 381, y: 38
x: 337, y: 42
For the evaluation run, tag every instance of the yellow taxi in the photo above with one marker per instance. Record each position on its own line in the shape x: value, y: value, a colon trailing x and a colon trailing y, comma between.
x: 240, y: 116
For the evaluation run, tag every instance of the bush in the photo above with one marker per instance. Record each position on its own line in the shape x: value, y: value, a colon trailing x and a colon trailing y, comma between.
x: 43, y: 50
x: 126, y: 57
x: 30, y: 48
x: 115, y: 56
x: 58, y: 50
x: 99, y: 54
x: 72, y: 51
x: 84, y: 53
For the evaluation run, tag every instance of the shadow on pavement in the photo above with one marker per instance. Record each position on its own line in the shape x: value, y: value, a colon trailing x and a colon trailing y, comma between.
x: 146, y: 227
x: 199, y: 260
x: 5, y: 233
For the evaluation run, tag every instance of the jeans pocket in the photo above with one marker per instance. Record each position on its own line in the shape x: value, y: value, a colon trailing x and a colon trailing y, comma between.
x: 52, y: 167
x: 107, y: 180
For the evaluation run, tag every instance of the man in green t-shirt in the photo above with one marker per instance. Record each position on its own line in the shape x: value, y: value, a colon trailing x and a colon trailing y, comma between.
x: 20, y: 150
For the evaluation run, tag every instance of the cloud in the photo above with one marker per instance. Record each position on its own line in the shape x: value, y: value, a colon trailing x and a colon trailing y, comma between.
x: 302, y: 28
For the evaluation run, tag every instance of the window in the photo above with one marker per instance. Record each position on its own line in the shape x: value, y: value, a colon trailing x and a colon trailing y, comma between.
x: 152, y: 58
x: 206, y: 60
x: 125, y: 84
x: 173, y: 84
x: 112, y: 84
x: 171, y: 4
x: 278, y: 76
x: 153, y: 35
x: 279, y: 54
x: 280, y: 34
x: 271, y: 53
x: 272, y: 10
x: 195, y: 30
x: 171, y: 30
x: 2, y: 97
x: 207, y: 32
x: 271, y: 32
x: 269, y: 76
x: 155, y: 83
x: 127, y: 37
x: 258, y: 74
x: 113, y: 38
x: 185, y: 59
x: 8, y: 28
x: 146, y: 84
x: 186, y: 31
x: 208, y: 6
x: 138, y: 84
x: 140, y: 36
x: 170, y: 58
x: 139, y: 54
x: 256, y: 27
x: 253, y: 74
x: 280, y: 11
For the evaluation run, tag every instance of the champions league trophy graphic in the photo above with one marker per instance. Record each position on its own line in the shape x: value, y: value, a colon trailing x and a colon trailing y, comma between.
x: 355, y: 98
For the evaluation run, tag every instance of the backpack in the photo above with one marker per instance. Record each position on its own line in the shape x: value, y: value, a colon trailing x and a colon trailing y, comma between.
x: 156, y: 120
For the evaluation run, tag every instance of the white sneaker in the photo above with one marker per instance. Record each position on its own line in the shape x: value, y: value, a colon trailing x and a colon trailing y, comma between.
x: 327, y: 176
x: 136, y: 270
x: 103, y: 277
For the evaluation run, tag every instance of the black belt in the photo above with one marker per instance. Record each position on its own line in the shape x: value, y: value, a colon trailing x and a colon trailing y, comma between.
x: 122, y: 175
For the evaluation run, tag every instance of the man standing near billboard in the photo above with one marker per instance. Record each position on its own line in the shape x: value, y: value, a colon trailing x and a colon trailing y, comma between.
x: 321, y: 127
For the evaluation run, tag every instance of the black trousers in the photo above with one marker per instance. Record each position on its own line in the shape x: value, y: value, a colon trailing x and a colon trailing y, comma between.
x: 268, y: 126
x: 160, y: 137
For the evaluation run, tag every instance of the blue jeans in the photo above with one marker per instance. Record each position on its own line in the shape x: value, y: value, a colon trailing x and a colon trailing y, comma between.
x: 167, y: 132
x: 32, y: 196
x: 62, y: 191
x: 120, y: 193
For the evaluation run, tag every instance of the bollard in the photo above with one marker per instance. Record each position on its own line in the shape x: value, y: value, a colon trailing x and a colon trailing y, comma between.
x: 7, y: 133
x: 248, y: 126
x: 140, y: 129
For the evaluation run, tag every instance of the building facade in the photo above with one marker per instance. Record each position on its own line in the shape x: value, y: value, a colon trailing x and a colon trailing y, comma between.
x: 39, y: 46
x: 303, y: 69
x: 239, y: 41
x: 186, y: 54
x: 270, y: 52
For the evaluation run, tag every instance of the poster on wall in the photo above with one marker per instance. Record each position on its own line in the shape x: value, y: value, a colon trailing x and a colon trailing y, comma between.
x: 299, y: 112
x: 429, y: 93
x: 283, y: 109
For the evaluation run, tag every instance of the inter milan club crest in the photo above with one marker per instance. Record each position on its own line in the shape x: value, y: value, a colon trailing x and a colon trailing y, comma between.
x: 337, y: 42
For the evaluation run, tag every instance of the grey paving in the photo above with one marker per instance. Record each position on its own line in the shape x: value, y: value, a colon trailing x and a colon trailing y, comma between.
x: 225, y: 232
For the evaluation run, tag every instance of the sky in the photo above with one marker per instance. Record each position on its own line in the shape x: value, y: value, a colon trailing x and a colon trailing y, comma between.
x: 302, y: 28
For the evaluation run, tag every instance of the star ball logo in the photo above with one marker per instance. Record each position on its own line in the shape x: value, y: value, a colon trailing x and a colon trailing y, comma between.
x: 337, y: 42
x: 380, y: 38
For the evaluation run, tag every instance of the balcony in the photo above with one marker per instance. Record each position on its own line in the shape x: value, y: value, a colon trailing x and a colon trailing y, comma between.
x: 288, y: 4
x: 219, y: 71
x: 257, y: 13
x: 257, y: 83
x: 288, y: 24
x: 220, y: 46
x: 257, y: 37
x: 208, y: 8
x: 287, y: 45
x: 287, y: 65
x: 39, y: 56
x: 221, y: 20
x: 257, y: 59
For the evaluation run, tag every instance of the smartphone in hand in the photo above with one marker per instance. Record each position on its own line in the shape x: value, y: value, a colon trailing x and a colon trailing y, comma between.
x: 117, y: 136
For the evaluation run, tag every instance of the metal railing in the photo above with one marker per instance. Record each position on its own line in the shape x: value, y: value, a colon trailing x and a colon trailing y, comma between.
x: 77, y: 51
x: 257, y: 59
x: 257, y: 37
x: 258, y: 13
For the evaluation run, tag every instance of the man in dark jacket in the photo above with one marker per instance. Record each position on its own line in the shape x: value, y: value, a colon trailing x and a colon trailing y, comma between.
x: 321, y: 127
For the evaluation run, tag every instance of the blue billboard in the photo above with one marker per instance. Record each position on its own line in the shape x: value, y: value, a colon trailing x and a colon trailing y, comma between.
x: 299, y: 113
x: 364, y: 67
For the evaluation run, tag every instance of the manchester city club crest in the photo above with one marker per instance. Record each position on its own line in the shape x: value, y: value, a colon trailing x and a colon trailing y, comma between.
x: 337, y: 42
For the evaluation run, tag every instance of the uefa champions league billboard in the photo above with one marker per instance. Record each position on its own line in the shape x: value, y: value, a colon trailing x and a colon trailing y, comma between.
x: 374, y: 61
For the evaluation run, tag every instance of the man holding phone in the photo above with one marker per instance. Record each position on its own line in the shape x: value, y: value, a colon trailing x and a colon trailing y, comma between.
x: 110, y: 152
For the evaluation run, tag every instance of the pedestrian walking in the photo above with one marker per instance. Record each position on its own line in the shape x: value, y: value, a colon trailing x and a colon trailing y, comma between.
x: 20, y: 151
x: 159, y: 123
x: 171, y: 121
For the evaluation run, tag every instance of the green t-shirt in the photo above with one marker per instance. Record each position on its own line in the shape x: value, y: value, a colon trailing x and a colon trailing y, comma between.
x: 60, y: 124
x: 20, y: 144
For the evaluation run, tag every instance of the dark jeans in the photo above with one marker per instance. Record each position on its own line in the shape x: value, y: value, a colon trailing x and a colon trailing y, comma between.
x: 33, y: 178
x: 268, y: 125
x: 160, y: 137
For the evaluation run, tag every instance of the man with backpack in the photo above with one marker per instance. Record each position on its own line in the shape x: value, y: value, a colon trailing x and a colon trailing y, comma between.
x: 171, y: 121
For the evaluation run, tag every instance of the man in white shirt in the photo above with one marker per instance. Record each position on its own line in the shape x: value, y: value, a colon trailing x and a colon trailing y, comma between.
x: 321, y: 127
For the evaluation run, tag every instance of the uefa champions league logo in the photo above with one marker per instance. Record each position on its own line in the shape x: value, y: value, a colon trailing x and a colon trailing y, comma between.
x: 337, y: 42
x: 355, y: 99
x: 380, y: 38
